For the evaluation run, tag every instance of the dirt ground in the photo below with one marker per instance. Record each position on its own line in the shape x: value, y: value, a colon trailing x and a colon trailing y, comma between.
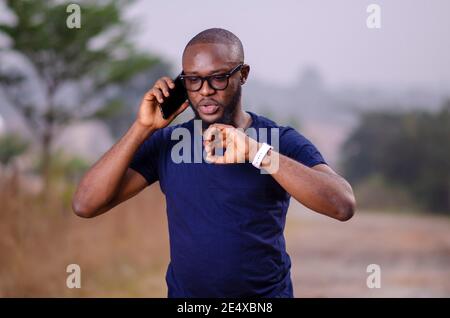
x: 330, y: 258
x: 124, y: 253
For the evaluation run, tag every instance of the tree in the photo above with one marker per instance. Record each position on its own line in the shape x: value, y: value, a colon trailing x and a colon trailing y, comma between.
x: 409, y: 150
x: 93, y: 58
x: 11, y: 146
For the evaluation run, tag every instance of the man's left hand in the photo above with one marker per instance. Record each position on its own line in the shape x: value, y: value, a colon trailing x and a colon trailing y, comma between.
x: 238, y: 147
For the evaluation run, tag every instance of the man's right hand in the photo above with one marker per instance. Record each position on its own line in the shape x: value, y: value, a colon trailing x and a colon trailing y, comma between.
x: 149, y: 115
x: 110, y: 180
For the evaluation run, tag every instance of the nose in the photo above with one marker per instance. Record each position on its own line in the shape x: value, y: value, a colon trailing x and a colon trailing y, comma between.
x: 206, y: 90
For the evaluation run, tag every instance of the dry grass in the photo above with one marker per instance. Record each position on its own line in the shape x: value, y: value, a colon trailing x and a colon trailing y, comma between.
x: 121, y: 253
x: 330, y: 258
x: 124, y: 253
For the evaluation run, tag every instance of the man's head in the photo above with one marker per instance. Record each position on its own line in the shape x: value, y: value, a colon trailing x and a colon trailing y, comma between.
x: 215, y: 52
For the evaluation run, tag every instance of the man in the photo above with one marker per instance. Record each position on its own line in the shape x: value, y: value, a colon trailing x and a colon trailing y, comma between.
x: 226, y: 217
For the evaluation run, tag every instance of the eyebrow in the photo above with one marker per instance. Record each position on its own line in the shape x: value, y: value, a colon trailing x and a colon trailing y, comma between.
x: 210, y: 73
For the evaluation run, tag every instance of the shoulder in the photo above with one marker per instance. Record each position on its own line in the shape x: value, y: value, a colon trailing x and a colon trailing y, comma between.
x: 285, y: 132
x: 291, y: 142
x: 262, y: 122
x: 163, y: 135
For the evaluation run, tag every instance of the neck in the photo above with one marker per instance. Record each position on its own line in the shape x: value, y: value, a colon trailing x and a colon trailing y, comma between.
x: 241, y: 118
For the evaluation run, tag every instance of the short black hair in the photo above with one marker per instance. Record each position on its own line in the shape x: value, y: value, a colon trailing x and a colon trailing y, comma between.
x: 221, y: 36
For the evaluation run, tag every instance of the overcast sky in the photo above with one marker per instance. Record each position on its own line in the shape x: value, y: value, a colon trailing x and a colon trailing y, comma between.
x: 412, y: 47
x: 281, y: 37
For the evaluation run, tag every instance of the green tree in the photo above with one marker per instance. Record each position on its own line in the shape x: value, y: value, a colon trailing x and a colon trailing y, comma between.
x: 409, y: 150
x: 11, y: 146
x: 94, y: 58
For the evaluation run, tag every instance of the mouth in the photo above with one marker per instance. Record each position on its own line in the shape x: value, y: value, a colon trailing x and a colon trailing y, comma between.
x: 208, y: 109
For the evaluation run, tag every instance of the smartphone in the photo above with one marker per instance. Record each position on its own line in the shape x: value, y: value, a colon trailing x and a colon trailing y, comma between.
x: 177, y: 96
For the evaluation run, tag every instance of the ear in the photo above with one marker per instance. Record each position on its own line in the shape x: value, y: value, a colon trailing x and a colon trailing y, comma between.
x: 244, y: 73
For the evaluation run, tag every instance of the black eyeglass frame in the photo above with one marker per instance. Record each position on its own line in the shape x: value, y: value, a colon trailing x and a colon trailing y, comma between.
x: 208, y: 78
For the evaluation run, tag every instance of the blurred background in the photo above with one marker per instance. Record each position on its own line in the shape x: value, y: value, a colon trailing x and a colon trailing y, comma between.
x: 375, y: 101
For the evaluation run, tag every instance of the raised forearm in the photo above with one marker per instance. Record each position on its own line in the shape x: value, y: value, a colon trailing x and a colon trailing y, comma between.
x: 100, y: 183
x: 323, y: 192
x: 319, y: 188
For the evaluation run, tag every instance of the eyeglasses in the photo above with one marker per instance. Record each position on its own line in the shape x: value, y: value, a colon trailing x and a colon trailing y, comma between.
x: 217, y: 82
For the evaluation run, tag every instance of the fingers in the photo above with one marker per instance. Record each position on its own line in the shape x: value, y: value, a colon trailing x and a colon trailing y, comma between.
x: 209, y: 133
x: 222, y: 126
x: 164, y: 84
x: 215, y: 129
x: 212, y: 147
x: 215, y: 138
x: 225, y: 137
x: 149, y: 96
x: 160, y: 90
x: 216, y: 159
x: 157, y: 94
x: 169, y: 82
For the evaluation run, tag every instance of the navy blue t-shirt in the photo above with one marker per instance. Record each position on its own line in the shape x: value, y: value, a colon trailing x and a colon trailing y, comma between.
x: 226, y: 222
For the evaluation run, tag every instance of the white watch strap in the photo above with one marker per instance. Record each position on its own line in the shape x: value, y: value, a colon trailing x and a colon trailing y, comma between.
x: 261, y: 154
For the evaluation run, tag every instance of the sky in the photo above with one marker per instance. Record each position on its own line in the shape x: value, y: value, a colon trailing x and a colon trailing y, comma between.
x: 282, y: 38
x: 412, y: 47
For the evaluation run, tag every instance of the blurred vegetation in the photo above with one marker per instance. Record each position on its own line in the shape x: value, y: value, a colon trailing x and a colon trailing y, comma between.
x: 65, y: 174
x: 408, y: 152
x: 95, y: 58
x: 281, y: 118
x: 118, y: 114
x: 39, y: 240
x: 11, y: 146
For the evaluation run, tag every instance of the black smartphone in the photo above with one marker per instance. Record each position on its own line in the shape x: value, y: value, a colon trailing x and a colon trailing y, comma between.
x: 177, y: 96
